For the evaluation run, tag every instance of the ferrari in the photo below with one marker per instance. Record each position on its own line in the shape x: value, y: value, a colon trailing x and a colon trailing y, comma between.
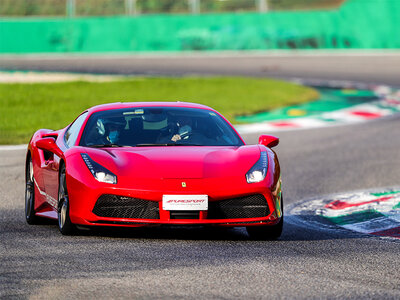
x: 151, y: 164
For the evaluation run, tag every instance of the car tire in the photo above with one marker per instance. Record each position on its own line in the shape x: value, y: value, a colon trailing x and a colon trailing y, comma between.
x: 267, y: 232
x: 64, y: 222
x: 30, y: 216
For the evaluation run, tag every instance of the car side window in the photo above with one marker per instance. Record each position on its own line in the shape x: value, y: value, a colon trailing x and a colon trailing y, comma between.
x: 72, y: 132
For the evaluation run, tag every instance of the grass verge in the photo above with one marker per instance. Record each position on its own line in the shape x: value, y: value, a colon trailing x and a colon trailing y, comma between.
x: 24, y: 108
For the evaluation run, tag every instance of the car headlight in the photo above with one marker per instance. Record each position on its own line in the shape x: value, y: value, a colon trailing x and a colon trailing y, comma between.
x: 258, y: 172
x: 98, y: 171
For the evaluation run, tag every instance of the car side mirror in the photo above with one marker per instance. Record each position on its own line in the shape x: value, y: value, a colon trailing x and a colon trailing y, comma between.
x: 49, y: 144
x: 268, y: 140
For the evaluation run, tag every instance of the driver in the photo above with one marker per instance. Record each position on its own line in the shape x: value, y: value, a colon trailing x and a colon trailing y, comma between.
x: 184, y: 126
x: 179, y: 130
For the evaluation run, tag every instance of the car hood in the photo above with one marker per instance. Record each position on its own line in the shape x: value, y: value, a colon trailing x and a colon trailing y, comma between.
x: 177, y: 162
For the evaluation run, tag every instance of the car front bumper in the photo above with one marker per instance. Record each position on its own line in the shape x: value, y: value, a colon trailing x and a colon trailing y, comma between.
x: 138, y: 202
x: 127, y: 207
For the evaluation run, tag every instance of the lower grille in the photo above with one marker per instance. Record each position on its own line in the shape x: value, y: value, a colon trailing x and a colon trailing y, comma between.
x: 184, y: 214
x: 252, y: 206
x: 112, y: 206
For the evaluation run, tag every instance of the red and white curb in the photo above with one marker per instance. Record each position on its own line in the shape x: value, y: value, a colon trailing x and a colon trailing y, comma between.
x: 372, y: 212
x: 388, y: 104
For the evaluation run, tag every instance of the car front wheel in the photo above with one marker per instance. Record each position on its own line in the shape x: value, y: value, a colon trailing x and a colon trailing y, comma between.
x: 64, y: 222
x: 266, y: 232
x: 30, y: 194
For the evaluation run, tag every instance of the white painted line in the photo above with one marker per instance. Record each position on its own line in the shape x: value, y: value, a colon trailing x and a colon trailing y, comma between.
x: 13, y: 147
x: 51, y: 77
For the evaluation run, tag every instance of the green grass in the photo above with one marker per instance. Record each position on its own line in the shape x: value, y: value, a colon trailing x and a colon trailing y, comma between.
x: 24, y: 108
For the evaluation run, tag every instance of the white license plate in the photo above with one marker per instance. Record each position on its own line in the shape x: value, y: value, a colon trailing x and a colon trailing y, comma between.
x: 185, y: 202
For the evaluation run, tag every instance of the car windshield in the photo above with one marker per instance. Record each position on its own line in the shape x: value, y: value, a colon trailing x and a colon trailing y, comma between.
x: 158, y: 126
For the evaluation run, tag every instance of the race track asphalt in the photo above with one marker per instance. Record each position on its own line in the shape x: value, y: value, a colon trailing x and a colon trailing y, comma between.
x: 361, y: 66
x: 308, y: 261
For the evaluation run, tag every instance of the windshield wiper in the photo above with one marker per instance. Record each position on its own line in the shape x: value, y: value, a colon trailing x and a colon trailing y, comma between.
x: 187, y: 144
x: 155, y: 144
x: 166, y: 144
x: 106, y: 145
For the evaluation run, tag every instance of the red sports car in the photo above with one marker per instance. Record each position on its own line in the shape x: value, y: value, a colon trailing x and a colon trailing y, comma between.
x: 146, y: 164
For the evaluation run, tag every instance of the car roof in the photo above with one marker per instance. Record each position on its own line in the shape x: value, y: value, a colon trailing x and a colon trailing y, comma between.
x: 118, y: 105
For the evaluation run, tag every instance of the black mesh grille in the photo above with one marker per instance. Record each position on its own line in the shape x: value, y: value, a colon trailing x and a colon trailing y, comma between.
x: 113, y: 206
x: 185, y: 214
x: 253, y: 206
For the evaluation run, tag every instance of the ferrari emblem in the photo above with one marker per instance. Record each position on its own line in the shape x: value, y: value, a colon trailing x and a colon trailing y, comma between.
x: 183, y: 184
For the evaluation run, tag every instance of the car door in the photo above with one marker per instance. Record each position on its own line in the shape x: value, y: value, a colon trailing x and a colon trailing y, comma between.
x: 50, y: 175
x: 52, y: 162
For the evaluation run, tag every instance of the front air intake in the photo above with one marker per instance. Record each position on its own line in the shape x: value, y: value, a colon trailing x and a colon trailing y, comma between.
x: 113, y: 206
x: 252, y: 206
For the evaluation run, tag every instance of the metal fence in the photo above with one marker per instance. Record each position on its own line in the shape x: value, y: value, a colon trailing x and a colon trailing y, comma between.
x: 73, y: 8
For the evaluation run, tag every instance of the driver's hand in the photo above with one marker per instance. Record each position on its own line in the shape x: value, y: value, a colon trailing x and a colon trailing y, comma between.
x: 176, y: 137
